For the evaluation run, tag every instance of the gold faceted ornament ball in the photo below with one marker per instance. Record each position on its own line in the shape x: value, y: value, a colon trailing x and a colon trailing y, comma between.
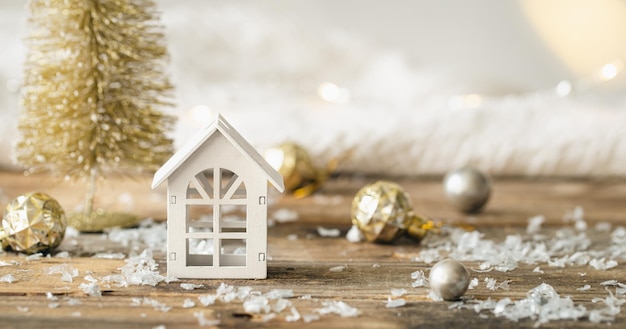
x: 467, y: 189
x: 32, y: 223
x: 382, y: 212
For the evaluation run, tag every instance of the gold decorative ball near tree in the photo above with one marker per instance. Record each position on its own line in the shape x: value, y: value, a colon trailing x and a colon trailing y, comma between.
x: 93, y: 94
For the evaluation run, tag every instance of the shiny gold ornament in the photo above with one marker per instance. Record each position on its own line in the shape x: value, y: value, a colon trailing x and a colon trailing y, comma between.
x: 382, y: 211
x: 33, y: 222
x: 94, y: 88
x: 293, y: 162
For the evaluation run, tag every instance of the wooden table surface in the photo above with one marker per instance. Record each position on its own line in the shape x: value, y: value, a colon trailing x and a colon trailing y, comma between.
x: 300, y: 259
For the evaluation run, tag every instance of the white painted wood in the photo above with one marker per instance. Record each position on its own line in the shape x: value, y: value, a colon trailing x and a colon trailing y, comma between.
x: 216, y: 247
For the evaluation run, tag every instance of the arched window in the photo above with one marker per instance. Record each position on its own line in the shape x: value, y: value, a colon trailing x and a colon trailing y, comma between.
x: 216, y: 206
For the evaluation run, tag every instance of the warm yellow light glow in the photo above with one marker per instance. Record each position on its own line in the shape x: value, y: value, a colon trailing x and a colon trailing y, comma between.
x: 332, y: 93
x: 583, y: 34
x: 610, y: 70
x: 564, y: 88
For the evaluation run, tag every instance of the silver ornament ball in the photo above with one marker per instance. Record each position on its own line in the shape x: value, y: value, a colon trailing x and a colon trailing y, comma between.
x: 467, y: 189
x: 449, y: 279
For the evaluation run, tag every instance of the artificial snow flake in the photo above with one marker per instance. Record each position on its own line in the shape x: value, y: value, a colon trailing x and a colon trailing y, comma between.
x: 420, y: 279
x: 202, y: 321
x: 142, y: 270
x: 542, y: 304
x: 92, y: 289
x: 267, y: 317
x: 149, y: 233
x: 22, y: 309
x: 398, y: 292
x: 618, y: 236
x: 534, y: 224
x: 285, y: 215
x: 608, y: 313
x: 67, y: 272
x: 355, y: 235
x: 491, y: 283
x: 36, y: 256
x: 188, y: 303
x: 294, y: 316
x: 339, y: 268
x: 108, y: 255
x: 279, y: 293
x: 473, y: 283
x: 208, y: 299
x: 308, y: 318
x: 328, y: 232
x: 280, y: 305
x: 602, y: 263
x: 62, y: 254
x: 256, y: 304
x: 50, y: 296
x: 338, y: 307
x: 392, y: 303
x: 190, y: 286
x: 584, y: 288
x: 8, y: 278
x: 428, y: 256
x: 576, y: 215
x: 434, y: 296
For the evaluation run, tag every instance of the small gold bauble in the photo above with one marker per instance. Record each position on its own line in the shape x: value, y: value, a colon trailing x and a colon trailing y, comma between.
x: 33, y: 222
x: 293, y: 162
x: 382, y: 211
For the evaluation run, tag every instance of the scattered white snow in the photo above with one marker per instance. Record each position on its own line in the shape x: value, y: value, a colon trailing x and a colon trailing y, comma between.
x: 328, y: 232
x: 392, y: 303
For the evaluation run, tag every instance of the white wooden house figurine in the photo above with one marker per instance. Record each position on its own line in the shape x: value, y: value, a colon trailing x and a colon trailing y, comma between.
x: 217, y: 206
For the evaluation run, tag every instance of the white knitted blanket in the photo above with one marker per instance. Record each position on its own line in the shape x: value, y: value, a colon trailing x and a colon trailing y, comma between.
x: 263, y: 74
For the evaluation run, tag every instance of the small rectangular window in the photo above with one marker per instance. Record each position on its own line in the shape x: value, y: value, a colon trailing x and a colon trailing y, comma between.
x: 262, y: 200
x: 173, y: 199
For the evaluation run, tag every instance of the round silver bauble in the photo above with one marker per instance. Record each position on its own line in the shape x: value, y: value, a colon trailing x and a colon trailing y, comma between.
x: 467, y: 189
x: 449, y: 279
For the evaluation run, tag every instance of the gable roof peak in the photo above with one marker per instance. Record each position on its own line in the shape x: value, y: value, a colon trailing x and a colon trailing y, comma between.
x: 218, y: 124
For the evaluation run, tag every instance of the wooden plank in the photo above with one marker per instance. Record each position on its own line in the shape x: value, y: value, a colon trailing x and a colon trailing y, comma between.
x: 300, y: 259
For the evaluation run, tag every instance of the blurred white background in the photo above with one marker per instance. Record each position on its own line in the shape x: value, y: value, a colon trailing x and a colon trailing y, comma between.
x: 411, y: 87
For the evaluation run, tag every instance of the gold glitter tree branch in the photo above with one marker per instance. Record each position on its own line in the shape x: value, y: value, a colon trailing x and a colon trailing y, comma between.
x: 94, y: 89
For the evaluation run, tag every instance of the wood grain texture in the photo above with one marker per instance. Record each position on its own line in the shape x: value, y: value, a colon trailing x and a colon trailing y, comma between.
x: 303, y: 264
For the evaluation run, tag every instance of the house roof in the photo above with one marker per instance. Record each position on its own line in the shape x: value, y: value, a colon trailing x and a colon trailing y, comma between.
x: 222, y: 126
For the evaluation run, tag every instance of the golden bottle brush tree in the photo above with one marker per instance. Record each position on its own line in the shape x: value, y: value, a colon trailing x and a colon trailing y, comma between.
x: 93, y: 94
